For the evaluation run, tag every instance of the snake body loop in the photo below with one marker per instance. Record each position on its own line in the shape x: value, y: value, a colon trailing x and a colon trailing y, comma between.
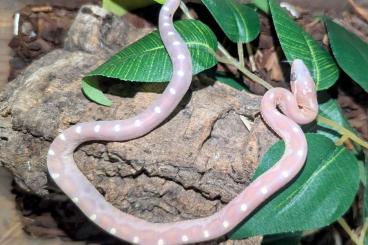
x: 69, y: 178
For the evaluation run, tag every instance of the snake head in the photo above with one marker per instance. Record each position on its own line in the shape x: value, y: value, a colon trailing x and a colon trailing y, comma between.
x: 303, y: 87
x: 301, y: 81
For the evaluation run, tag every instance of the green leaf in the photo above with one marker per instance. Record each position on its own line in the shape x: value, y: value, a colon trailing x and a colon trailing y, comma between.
x: 350, y: 51
x: 114, y: 7
x: 297, y: 44
x: 91, y: 89
x: 322, y: 192
x: 147, y: 60
x: 331, y: 110
x: 239, y: 22
x: 262, y: 5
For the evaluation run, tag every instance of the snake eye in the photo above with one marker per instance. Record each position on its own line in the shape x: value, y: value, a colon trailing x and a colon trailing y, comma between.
x: 300, y: 78
x: 292, y: 76
x: 299, y: 71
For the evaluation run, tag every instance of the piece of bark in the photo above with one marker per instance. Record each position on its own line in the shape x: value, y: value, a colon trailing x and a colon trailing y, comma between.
x: 200, y: 158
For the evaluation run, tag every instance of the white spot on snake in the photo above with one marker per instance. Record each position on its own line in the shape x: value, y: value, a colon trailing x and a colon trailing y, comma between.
x: 264, y: 190
x: 288, y: 97
x: 55, y: 175
x: 51, y: 152
x: 285, y: 174
x: 176, y: 43
x: 181, y: 56
x: 243, y: 207
x: 62, y: 137
x: 166, y: 8
x: 300, y: 153
x: 278, y: 113
x: 137, y: 123
x: 97, y: 128
x: 184, y: 238
x: 170, y: 33
x: 296, y: 129
x: 180, y: 73
x: 225, y: 224
x: 75, y: 199
x: 272, y: 95
x: 78, y: 129
x: 288, y: 152
x: 93, y: 217
x: 206, y: 233
x: 117, y: 128
x: 172, y: 91
x: 113, y: 231
x: 166, y: 24
x: 160, y: 242
x: 157, y: 109
x: 135, y: 239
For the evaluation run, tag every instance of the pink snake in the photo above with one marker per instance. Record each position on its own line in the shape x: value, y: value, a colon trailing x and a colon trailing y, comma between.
x: 299, y: 107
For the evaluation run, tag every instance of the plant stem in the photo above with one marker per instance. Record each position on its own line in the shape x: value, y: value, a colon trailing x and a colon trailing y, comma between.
x: 349, y: 231
x: 242, y: 69
x: 342, y: 140
x: 241, y: 54
x: 16, y: 226
x: 252, y: 62
x: 343, y: 131
x: 363, y: 232
x: 223, y: 60
x: 185, y: 10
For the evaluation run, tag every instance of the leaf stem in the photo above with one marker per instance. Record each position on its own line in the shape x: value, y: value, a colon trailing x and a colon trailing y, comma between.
x: 349, y: 231
x: 242, y: 69
x: 342, y: 140
x: 185, y: 10
x: 223, y: 59
x: 252, y: 62
x: 241, y: 54
x: 343, y: 131
x: 10, y: 231
x: 363, y: 232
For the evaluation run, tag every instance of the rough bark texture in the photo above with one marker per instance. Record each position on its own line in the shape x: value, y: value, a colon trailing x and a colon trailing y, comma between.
x: 189, y: 167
